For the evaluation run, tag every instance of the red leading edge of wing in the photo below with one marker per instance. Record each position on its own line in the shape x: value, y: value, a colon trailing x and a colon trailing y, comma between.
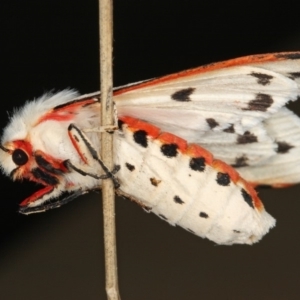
x: 246, y: 60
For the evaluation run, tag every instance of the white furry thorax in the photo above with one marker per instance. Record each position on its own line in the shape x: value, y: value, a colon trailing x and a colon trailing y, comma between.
x: 24, y: 118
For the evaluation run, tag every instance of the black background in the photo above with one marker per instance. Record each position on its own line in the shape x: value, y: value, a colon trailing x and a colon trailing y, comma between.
x: 52, y: 45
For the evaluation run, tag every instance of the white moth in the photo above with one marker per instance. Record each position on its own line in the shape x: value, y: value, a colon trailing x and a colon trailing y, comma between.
x: 233, y: 109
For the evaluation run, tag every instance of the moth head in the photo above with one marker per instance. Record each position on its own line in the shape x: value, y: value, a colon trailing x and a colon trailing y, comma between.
x: 20, y: 160
x: 24, y: 133
x: 35, y: 145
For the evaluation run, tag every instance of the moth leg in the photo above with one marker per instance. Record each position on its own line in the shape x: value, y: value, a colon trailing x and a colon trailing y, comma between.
x: 87, y: 153
x: 81, y: 171
x: 108, y: 129
x: 26, y: 210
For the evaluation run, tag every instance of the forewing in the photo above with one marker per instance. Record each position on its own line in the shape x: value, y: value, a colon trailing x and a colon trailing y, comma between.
x: 283, y: 168
x: 225, y: 107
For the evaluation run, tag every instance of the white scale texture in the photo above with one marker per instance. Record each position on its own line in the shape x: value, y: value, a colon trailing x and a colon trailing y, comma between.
x: 248, y: 96
x: 229, y: 218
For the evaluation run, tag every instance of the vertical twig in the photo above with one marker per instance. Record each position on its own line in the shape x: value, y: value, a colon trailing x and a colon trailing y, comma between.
x: 108, y: 195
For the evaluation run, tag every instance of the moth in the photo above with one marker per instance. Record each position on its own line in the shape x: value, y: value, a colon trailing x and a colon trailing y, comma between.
x: 190, y: 147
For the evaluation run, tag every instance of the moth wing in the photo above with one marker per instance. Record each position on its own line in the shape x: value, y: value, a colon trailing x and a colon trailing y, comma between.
x: 225, y: 107
x: 282, y: 168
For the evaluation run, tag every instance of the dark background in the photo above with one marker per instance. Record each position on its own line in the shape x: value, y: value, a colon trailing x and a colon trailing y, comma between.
x: 51, y: 45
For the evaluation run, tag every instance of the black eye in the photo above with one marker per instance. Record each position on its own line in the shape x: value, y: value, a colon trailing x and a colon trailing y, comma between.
x: 19, y: 157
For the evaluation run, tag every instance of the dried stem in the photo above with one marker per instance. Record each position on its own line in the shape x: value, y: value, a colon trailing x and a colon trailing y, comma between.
x: 108, y: 195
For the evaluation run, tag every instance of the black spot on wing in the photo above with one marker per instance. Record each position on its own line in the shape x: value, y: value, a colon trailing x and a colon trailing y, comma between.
x: 236, y: 231
x: 229, y: 129
x: 140, y: 137
x: 155, y: 181
x: 183, y: 95
x: 283, y: 147
x: 130, y: 167
x: 263, y: 79
x: 203, y: 215
x: 295, y: 55
x: 212, y: 123
x: 261, y: 102
x: 241, y: 162
x: 178, y: 200
x: 246, y: 138
x: 197, y: 164
x: 223, y: 179
x: 169, y: 150
x: 294, y: 75
x: 247, y: 198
